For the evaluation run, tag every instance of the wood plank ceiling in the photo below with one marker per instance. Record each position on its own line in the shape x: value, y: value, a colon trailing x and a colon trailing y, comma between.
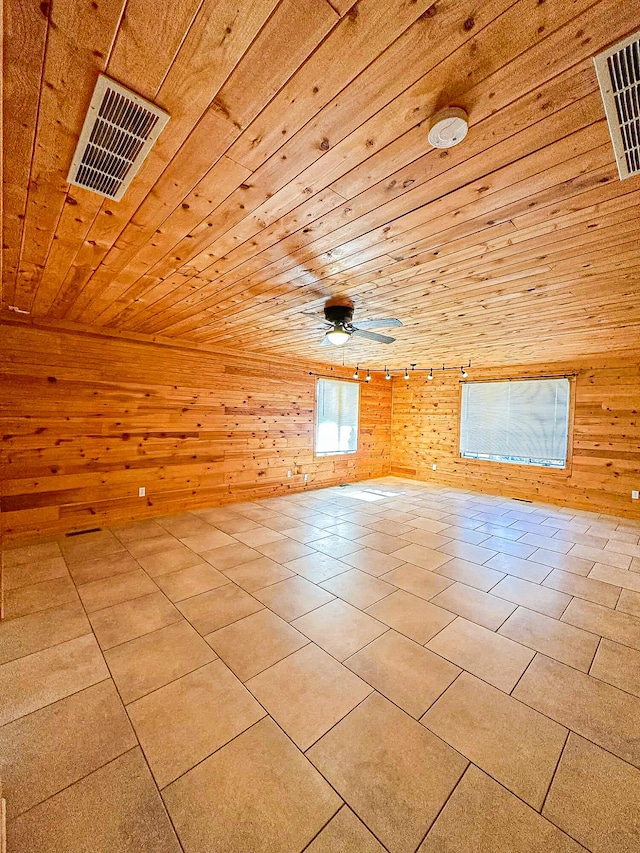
x: 296, y: 167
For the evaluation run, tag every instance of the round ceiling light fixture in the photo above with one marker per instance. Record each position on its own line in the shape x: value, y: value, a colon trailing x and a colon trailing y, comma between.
x: 448, y: 127
x: 338, y: 336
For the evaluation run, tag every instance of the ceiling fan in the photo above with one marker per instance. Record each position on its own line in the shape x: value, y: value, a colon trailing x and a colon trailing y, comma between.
x: 339, y: 326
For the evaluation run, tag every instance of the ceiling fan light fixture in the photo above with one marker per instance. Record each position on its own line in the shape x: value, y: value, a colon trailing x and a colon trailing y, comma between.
x: 338, y: 336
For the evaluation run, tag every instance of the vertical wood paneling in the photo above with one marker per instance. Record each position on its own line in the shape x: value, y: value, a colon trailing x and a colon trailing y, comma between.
x: 605, y: 463
x: 87, y: 419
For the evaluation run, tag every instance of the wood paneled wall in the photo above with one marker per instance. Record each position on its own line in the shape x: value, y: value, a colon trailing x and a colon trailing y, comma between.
x: 87, y: 419
x: 605, y: 463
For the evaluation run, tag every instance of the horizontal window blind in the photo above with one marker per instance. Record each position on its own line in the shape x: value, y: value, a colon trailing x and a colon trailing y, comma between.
x: 524, y: 422
x: 337, y: 416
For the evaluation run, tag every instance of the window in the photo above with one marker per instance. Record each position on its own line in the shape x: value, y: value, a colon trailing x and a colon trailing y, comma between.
x: 525, y: 422
x: 337, y: 416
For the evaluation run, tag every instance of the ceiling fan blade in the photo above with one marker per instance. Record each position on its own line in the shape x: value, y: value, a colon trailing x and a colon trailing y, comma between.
x: 378, y: 324
x: 373, y: 336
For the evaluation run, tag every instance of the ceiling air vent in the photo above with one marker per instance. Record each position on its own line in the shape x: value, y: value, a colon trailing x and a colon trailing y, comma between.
x: 118, y: 133
x: 618, y: 70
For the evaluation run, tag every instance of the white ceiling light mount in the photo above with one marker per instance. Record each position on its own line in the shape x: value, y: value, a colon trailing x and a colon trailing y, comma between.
x: 448, y: 127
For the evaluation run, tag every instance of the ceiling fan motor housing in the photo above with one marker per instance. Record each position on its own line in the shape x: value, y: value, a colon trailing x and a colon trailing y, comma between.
x: 341, y: 315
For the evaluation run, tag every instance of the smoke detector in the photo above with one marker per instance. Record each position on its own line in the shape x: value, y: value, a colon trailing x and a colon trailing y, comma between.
x: 448, y: 127
x: 118, y: 133
x: 618, y: 70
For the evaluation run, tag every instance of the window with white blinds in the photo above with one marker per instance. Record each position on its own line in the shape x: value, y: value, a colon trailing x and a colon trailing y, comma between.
x: 337, y: 416
x: 524, y: 422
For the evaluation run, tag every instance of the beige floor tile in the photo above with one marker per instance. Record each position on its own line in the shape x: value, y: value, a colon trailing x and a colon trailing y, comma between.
x: 347, y: 834
x: 629, y: 602
x: 405, y: 672
x: 465, y: 551
x: 581, y: 587
x: 109, y: 591
x: 492, y: 658
x: 548, y: 543
x: 348, y: 530
x: 513, y: 743
x: 213, y: 539
x: 418, y: 555
x: 412, y: 616
x: 257, y: 794
x: 391, y: 528
x: 258, y: 573
x: 580, y: 538
x: 601, y: 555
x: 471, y: 574
x: 557, y: 640
x: 26, y: 554
x: 612, y: 624
x: 533, y: 596
x: 307, y: 693
x: 218, y: 607
x: 372, y: 562
x: 283, y: 550
x: 82, y: 818
x: 464, y: 534
x: 499, y: 530
x: 131, y: 619
x: 336, y: 546
x: 258, y: 536
x: 479, y: 607
x: 105, y: 567
x: 169, y: 560
x: 339, y: 628
x: 26, y: 574
x: 392, y: 772
x: 317, y: 567
x: 525, y: 569
x: 234, y: 524
x: 293, y: 597
x: 186, y: 583
x: 185, y: 525
x: 420, y: 582
x: 564, y: 562
x: 90, y: 546
x: 483, y: 817
x: 29, y: 634
x: 587, y: 706
x: 230, y: 556
x: 382, y: 542
x: 255, y: 643
x: 617, y: 665
x: 304, y: 533
x: 153, y: 660
x: 188, y: 719
x: 508, y: 546
x: 38, y: 596
x: 358, y: 588
x: 617, y: 577
x: 42, y: 753
x: 36, y: 680
x: 139, y: 530
x: 595, y: 797
x: 425, y: 538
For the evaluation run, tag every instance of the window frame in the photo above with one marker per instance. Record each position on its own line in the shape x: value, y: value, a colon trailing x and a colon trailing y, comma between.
x: 323, y: 454
x: 490, y: 464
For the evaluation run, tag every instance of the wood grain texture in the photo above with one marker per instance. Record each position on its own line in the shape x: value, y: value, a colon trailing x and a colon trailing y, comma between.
x: 87, y: 419
x: 605, y: 452
x: 296, y: 167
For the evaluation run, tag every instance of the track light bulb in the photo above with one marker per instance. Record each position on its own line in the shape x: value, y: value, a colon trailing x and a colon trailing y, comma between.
x: 367, y: 377
x: 406, y: 373
x: 464, y: 373
x: 355, y: 375
x: 430, y: 376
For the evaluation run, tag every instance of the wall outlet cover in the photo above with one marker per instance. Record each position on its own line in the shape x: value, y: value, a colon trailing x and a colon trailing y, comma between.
x: 142, y: 491
x: 635, y: 495
x: 434, y: 466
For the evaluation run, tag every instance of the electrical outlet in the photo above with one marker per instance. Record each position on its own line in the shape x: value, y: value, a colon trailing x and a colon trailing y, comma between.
x: 306, y: 477
x: 142, y: 491
x: 635, y: 495
x: 434, y: 466
x: 288, y: 473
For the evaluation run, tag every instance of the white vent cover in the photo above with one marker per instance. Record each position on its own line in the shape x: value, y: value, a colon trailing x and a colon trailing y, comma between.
x: 116, y: 137
x: 618, y: 70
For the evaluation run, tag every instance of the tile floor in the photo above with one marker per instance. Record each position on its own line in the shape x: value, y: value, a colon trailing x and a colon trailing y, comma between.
x: 384, y: 666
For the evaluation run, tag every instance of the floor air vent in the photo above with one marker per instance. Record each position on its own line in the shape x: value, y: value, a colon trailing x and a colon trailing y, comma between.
x: 618, y: 70
x: 116, y: 137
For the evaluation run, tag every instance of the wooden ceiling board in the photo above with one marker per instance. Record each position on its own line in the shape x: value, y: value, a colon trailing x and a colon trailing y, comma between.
x: 295, y: 167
